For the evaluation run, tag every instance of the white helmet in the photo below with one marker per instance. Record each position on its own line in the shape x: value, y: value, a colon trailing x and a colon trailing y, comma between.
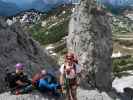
x: 43, y: 72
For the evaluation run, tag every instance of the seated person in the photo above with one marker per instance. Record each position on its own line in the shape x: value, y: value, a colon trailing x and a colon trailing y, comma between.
x: 17, y: 80
x: 46, y: 82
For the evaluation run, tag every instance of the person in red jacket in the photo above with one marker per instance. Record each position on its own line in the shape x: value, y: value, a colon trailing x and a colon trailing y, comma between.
x: 46, y: 82
x: 38, y: 76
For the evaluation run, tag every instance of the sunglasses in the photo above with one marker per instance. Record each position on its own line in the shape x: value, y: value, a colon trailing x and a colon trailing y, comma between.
x: 70, y: 59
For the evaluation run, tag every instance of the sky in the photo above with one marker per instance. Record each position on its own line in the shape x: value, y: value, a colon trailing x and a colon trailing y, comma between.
x: 26, y: 2
x: 20, y: 2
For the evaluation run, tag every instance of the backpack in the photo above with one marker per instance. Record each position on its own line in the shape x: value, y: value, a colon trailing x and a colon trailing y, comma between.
x: 50, y: 78
x: 10, y: 79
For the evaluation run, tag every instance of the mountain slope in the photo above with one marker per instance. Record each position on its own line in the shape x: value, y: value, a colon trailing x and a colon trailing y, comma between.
x: 18, y: 46
x: 46, y: 5
x: 53, y: 26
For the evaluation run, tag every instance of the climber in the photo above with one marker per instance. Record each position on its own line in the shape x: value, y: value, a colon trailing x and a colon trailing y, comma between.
x: 70, y: 71
x: 46, y: 82
x: 17, y: 80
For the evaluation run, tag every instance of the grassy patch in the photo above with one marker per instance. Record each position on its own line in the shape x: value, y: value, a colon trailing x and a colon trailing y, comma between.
x: 124, y: 42
x: 49, y: 35
x: 120, y: 65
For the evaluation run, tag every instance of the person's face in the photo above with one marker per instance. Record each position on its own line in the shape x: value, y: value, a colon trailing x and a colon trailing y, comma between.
x: 18, y: 71
x: 69, y: 60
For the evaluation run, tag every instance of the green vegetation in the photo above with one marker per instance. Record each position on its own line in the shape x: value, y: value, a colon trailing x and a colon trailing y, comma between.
x: 49, y: 35
x: 122, y: 65
x: 127, y: 43
x: 52, y: 26
x: 121, y: 25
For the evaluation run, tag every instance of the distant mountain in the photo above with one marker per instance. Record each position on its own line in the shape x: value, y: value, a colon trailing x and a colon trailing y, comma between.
x: 8, y: 9
x: 46, y: 5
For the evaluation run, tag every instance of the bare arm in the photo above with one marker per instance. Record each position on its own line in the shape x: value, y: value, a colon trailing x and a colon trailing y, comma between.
x: 61, y: 79
x: 19, y: 82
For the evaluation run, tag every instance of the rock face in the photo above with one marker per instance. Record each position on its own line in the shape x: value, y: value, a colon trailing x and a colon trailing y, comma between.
x: 81, y: 95
x: 31, y: 96
x: 90, y: 38
x: 18, y: 46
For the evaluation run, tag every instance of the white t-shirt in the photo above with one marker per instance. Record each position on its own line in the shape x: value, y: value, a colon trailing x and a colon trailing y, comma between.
x: 72, y: 73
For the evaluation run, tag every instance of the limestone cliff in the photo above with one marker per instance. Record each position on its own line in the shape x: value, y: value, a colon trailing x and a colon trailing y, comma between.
x: 18, y: 46
x: 90, y: 38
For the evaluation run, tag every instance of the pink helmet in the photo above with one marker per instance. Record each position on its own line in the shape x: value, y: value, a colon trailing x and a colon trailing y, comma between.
x: 19, y: 66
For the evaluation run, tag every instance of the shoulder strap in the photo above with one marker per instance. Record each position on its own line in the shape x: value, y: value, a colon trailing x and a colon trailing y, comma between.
x: 75, y: 68
x: 64, y: 67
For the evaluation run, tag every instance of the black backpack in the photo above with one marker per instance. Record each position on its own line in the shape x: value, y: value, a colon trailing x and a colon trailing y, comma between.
x: 10, y: 79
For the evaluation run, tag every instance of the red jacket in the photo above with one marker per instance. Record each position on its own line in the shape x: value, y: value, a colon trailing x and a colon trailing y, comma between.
x: 36, y: 77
